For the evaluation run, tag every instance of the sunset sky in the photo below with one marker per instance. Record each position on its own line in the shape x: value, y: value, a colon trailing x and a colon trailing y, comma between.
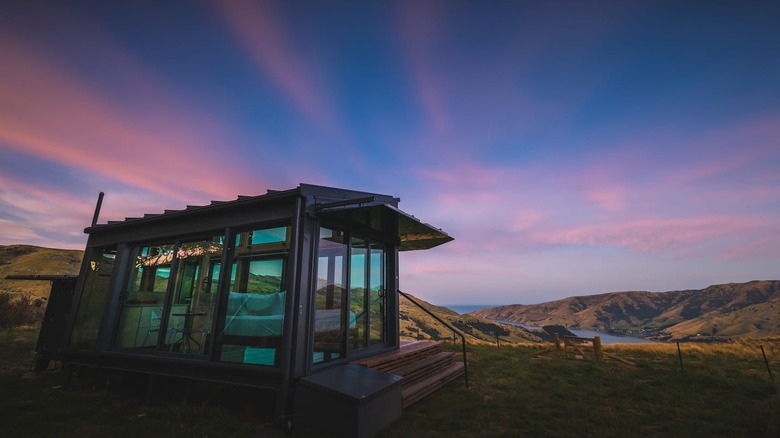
x: 570, y: 148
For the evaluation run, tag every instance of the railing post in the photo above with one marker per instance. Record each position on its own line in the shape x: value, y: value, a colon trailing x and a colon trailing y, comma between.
x: 454, y: 332
x: 597, y: 348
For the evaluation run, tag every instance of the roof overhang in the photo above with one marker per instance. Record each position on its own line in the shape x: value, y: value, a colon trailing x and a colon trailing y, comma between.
x: 411, y: 233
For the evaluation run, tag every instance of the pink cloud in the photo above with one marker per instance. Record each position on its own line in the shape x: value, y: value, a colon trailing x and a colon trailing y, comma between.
x: 506, y: 210
x: 656, y: 235
x: 609, y: 198
x: 36, y: 209
x: 52, y: 115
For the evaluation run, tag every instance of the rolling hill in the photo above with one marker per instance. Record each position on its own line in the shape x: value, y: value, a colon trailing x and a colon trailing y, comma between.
x: 34, y: 260
x: 418, y: 325
x: 720, y: 311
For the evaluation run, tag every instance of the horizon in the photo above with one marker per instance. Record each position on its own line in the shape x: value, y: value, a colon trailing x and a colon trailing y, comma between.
x: 568, y: 149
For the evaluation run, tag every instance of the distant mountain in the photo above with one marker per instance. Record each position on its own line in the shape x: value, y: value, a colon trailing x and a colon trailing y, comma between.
x: 721, y: 311
x: 34, y: 260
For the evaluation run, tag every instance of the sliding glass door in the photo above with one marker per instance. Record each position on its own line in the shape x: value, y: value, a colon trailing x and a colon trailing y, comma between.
x: 350, y: 300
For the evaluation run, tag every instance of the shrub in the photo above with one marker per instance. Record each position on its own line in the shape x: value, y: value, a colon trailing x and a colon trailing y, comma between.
x: 20, y: 309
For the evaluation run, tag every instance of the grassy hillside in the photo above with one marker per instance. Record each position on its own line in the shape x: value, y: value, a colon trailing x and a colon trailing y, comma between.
x: 416, y: 324
x: 727, y: 310
x: 34, y: 260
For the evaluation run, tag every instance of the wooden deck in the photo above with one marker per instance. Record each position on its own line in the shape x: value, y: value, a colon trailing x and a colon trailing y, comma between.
x: 424, y: 367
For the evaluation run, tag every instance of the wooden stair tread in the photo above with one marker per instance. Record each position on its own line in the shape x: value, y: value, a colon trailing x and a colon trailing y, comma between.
x: 423, y: 366
x: 432, y: 363
x: 406, y: 353
x: 424, y: 387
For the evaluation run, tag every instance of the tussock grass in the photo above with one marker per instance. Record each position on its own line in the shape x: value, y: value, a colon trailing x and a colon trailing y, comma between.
x: 20, y: 309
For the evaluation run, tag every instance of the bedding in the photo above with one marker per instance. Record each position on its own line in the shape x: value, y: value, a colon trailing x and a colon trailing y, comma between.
x: 262, y: 315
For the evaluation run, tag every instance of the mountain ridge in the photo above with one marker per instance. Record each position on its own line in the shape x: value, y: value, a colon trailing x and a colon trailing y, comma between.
x: 731, y: 310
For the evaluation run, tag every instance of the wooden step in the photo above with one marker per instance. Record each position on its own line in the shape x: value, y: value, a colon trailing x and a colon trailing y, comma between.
x: 424, y: 367
x: 411, y: 372
x: 424, y: 387
x: 408, y: 352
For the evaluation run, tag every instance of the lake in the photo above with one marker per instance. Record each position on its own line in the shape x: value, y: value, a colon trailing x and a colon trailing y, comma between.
x: 463, y: 309
x: 606, y: 338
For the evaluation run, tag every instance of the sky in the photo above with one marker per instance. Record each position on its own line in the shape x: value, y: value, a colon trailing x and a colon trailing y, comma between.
x: 570, y: 148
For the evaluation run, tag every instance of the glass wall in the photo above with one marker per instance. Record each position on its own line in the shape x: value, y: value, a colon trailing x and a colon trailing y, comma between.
x: 93, y: 298
x: 192, y: 300
x: 358, y: 292
x: 330, y: 297
x: 349, y: 315
x: 254, y: 318
x: 173, y: 276
x: 377, y: 294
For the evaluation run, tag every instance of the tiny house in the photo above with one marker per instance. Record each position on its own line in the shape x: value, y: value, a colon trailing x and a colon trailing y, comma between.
x: 260, y: 291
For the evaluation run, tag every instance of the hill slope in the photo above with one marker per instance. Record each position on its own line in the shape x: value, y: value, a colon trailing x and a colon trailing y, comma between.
x: 726, y: 310
x: 34, y: 260
x: 416, y: 324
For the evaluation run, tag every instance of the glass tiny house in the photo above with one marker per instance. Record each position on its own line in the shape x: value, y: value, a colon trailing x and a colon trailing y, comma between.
x: 259, y: 291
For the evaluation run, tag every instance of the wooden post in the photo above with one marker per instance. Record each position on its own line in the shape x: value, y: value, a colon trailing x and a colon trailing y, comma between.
x: 557, y: 344
x: 597, y: 347
x: 766, y: 362
x: 679, y: 353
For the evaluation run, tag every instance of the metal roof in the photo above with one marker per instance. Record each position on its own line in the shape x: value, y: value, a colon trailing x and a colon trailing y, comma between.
x: 338, y: 204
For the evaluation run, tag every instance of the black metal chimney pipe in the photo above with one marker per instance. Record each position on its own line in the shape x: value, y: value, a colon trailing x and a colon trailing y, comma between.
x: 97, y: 209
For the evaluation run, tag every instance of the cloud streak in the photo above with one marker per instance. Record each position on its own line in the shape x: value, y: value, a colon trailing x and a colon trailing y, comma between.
x: 48, y: 114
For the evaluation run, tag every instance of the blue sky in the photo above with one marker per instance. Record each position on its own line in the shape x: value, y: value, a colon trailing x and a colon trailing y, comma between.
x: 570, y: 148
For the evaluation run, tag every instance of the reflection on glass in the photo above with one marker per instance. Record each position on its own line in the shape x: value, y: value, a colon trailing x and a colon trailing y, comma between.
x: 376, y: 294
x: 192, y: 309
x: 330, y: 299
x: 145, y: 292
x: 358, y: 293
x: 186, y: 327
x: 254, y: 317
x: 93, y: 298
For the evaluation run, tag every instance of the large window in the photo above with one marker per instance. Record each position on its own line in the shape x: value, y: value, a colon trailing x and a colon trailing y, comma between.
x: 377, y: 294
x: 330, y: 297
x: 93, y: 298
x: 350, y: 299
x: 168, y: 297
x: 254, y: 318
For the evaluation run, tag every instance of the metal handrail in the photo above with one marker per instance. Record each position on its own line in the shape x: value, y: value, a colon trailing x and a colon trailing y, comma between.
x: 446, y: 324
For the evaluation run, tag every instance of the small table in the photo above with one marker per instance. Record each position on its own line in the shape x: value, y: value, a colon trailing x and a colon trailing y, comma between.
x: 186, y: 331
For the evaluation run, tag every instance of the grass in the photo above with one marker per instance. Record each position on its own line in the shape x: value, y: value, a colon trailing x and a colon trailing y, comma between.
x: 98, y: 406
x: 724, y: 391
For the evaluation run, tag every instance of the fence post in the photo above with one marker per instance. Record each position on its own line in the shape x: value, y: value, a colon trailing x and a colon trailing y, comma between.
x: 766, y: 362
x: 597, y: 347
x: 557, y: 344
x: 679, y: 353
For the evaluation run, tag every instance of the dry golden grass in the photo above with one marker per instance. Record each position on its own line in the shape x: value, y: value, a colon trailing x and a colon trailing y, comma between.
x: 740, y: 348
